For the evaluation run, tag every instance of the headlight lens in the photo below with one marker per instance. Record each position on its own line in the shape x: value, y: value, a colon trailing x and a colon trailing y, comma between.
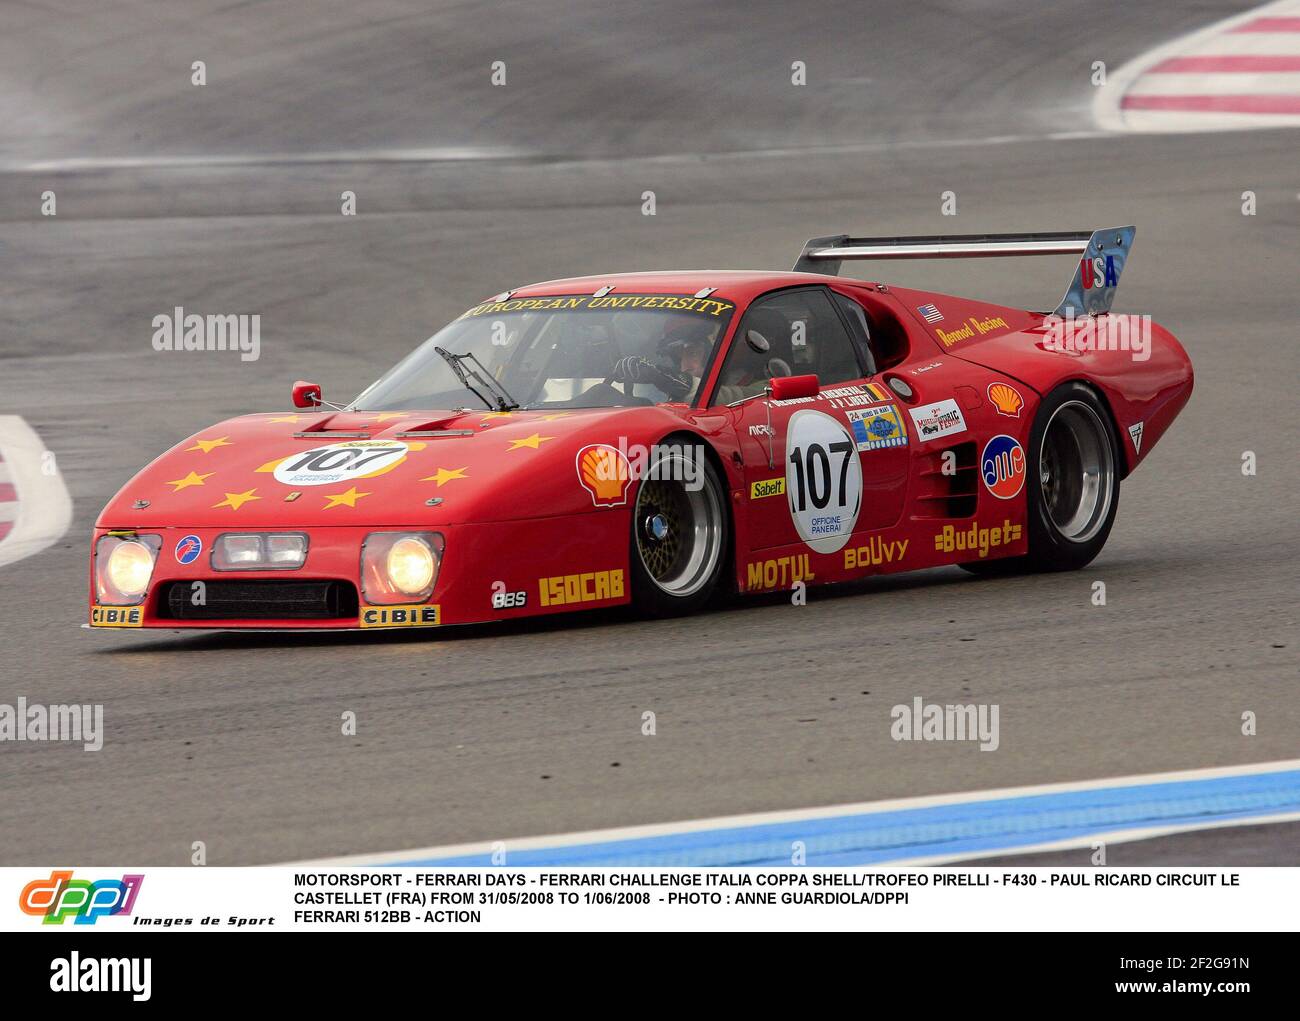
x: 232, y: 551
x: 286, y: 550
x: 410, y: 565
x: 400, y: 567
x: 259, y: 551
x: 130, y: 566
x: 123, y: 567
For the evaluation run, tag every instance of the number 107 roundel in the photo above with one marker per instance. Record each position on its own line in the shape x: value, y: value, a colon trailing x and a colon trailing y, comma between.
x: 659, y: 439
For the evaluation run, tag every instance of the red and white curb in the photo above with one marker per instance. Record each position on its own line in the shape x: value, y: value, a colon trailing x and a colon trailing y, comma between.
x: 35, y: 508
x: 1243, y: 72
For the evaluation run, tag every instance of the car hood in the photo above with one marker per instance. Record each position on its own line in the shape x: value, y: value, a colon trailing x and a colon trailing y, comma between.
x: 351, y: 468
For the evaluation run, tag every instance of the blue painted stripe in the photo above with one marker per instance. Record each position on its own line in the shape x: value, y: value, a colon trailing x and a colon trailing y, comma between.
x: 956, y: 829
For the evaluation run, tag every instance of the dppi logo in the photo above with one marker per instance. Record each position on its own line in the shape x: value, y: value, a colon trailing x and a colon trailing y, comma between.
x: 1097, y: 270
x: 188, y: 549
x: 60, y: 896
x: 1003, y: 467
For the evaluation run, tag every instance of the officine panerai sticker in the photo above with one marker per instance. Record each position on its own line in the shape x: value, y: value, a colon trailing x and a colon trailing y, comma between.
x: 823, y: 480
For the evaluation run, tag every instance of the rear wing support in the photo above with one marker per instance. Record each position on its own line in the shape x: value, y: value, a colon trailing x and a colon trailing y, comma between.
x: 1092, y: 289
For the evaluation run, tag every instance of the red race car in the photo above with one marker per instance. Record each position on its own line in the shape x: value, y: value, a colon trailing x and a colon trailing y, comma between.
x: 654, y: 438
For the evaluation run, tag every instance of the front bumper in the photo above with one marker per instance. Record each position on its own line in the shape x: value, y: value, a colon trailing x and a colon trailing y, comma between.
x: 488, y: 572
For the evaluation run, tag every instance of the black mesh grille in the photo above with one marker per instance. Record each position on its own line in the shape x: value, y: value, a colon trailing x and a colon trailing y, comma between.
x: 939, y: 495
x: 260, y: 599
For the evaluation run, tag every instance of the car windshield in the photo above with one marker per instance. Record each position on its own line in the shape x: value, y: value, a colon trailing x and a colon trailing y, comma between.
x: 568, y: 351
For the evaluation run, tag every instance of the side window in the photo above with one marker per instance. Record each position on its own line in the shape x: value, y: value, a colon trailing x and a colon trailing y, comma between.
x: 855, y: 315
x: 804, y: 335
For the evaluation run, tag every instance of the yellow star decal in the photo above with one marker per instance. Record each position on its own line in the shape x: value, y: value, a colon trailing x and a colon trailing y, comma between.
x: 445, y: 475
x: 207, y: 446
x: 285, y: 418
x: 384, y: 416
x: 558, y: 414
x: 495, y: 414
x: 236, y: 500
x: 192, y: 479
x: 535, y: 441
x: 349, y: 498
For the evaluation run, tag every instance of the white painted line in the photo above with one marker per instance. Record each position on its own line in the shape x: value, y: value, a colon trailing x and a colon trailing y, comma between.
x: 1165, y: 122
x: 1217, y: 39
x: 1284, y: 83
x: 44, y: 508
x: 8, y: 507
x: 798, y: 815
x: 84, y: 164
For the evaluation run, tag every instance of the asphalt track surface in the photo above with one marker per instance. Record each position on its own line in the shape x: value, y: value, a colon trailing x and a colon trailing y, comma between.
x: 226, y: 198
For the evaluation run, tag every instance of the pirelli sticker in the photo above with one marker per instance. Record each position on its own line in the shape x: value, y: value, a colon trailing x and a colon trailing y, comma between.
x: 708, y: 307
x: 116, y: 616
x: 417, y: 615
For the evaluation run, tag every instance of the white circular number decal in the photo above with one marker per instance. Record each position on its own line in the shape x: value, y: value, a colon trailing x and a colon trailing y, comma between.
x: 339, y: 462
x: 823, y: 480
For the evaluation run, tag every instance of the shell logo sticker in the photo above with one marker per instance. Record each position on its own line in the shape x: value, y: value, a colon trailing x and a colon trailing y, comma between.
x: 1006, y: 399
x: 605, y: 473
x: 336, y: 463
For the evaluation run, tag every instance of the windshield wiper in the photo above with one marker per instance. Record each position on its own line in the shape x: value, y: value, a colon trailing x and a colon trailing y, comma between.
x: 477, y: 371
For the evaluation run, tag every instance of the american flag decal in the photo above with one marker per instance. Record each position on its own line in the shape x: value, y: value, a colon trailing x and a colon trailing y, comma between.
x: 932, y: 314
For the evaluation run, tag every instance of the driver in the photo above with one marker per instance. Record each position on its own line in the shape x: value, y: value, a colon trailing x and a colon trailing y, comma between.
x: 682, y: 355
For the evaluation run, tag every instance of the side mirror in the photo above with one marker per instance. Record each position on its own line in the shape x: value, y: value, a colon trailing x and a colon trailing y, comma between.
x: 789, y: 388
x: 306, y: 395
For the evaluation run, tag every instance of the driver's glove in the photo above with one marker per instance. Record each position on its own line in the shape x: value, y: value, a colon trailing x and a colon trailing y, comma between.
x: 638, y: 370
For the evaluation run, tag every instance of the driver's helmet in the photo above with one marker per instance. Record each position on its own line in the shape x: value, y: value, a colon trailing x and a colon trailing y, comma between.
x: 682, y: 332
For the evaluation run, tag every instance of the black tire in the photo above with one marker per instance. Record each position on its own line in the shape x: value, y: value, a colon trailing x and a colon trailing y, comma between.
x: 1064, y: 532
x: 680, y: 535
x: 1072, y: 494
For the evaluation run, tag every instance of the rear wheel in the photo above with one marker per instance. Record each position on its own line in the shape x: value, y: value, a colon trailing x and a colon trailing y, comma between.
x: 1072, y: 484
x: 679, y: 533
x: 1074, y: 494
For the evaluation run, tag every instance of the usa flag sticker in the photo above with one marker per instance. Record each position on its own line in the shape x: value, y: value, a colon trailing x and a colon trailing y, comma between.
x: 931, y: 314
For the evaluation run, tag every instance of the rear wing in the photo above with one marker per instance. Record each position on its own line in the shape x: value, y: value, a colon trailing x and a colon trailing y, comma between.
x: 1103, y: 254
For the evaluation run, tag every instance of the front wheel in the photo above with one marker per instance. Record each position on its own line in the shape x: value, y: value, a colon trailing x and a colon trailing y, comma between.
x: 679, y: 533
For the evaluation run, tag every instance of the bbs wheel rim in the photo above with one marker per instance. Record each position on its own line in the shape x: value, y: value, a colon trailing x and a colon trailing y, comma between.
x: 1076, y: 471
x: 677, y: 521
